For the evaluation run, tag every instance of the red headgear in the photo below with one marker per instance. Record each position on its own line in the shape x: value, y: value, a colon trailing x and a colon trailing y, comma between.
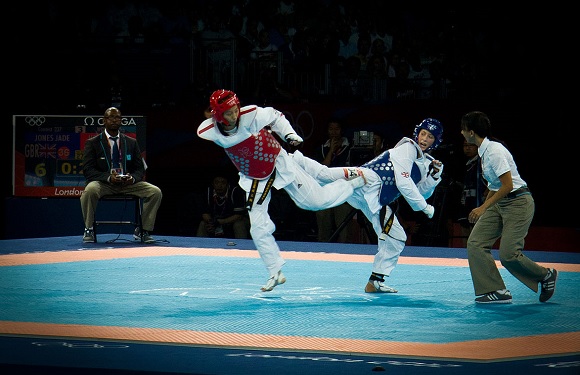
x: 220, y: 101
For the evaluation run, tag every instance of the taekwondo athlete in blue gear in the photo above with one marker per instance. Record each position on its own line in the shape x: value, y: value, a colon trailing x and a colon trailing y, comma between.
x: 246, y: 134
x: 405, y: 170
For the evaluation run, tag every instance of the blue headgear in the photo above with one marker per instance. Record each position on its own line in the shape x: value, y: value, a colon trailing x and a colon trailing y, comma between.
x: 434, y: 127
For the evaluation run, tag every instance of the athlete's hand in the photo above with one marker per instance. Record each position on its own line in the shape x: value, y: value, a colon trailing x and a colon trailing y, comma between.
x: 293, y: 139
x: 436, y: 169
x: 429, y: 211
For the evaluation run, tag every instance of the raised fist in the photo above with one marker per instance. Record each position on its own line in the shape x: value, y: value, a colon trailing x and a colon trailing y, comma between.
x: 436, y: 169
x: 429, y: 211
x: 293, y: 139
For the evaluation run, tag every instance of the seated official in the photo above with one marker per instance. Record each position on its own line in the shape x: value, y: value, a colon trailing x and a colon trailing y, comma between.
x: 224, y: 212
x: 112, y: 164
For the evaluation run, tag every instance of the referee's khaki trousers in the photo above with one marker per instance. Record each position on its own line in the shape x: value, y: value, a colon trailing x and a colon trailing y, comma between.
x: 509, y: 219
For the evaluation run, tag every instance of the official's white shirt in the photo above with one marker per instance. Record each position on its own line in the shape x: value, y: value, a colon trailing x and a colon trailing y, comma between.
x: 495, y: 161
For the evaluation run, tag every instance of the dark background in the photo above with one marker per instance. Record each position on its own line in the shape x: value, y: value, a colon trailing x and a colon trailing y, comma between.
x: 525, y: 84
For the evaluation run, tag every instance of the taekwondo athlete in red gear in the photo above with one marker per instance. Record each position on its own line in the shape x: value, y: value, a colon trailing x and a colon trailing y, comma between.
x: 246, y: 135
x: 405, y: 170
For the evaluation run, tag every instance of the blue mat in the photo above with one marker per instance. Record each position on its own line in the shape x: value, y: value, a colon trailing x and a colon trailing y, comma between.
x: 322, y: 299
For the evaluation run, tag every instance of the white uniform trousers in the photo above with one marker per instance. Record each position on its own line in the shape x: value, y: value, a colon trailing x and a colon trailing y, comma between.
x: 390, y: 245
x: 366, y: 199
x: 308, y: 194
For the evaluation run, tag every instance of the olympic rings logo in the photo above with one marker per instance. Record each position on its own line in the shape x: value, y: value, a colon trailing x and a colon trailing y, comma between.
x: 89, y: 345
x: 35, y: 120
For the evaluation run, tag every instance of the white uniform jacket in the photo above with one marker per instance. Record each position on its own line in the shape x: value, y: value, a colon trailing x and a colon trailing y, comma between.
x: 251, y: 121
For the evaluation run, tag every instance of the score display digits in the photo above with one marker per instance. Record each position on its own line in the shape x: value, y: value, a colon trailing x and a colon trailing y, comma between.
x: 69, y: 167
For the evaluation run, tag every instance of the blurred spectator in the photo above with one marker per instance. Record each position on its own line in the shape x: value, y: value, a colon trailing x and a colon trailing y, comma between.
x: 363, y: 48
x: 378, y: 49
x: 420, y: 77
x: 285, y: 11
x: 440, y: 77
x: 224, y: 211
x: 217, y: 41
x: 295, y: 53
x: 251, y: 27
x: 326, y: 47
x: 379, y: 144
x: 335, y: 152
x: 376, y: 67
x: 348, y: 83
x: 474, y: 189
x: 376, y: 74
x: 401, y: 87
x: 175, y: 23
x: 264, y: 51
x: 347, y: 41
x: 379, y: 32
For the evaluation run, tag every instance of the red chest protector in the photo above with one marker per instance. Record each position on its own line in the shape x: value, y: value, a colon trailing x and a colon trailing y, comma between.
x: 255, y: 157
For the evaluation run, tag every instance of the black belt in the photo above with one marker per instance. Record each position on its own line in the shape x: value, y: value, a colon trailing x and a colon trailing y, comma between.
x: 516, y: 193
x: 389, y: 223
x: 254, y: 188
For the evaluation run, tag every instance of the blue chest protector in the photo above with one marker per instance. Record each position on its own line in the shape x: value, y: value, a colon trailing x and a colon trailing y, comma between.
x: 383, y: 166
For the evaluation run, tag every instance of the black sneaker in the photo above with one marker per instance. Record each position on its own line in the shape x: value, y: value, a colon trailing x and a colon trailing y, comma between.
x: 89, y: 235
x: 143, y: 236
x: 495, y: 297
x: 548, y: 285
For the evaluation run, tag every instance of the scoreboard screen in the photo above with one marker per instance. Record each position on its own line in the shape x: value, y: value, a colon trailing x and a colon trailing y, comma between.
x: 48, y: 151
